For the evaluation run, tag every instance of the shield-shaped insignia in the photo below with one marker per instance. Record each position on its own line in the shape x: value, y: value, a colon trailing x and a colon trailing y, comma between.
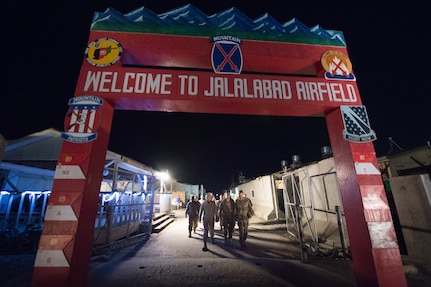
x: 82, y: 119
x: 357, y: 127
x: 226, y: 56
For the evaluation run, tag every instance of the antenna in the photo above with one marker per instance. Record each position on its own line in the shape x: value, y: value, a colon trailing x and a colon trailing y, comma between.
x: 392, y: 143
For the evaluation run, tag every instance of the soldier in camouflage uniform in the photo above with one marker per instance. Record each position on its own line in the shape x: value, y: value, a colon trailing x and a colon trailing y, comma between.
x: 222, y: 196
x: 244, y: 210
x: 227, y: 211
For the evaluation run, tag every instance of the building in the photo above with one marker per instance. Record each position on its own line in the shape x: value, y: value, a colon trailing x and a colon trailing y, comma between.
x: 131, y: 193
x: 408, y: 186
x: 307, y: 197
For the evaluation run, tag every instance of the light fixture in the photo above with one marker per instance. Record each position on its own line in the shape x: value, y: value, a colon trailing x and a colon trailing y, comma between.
x: 163, y: 175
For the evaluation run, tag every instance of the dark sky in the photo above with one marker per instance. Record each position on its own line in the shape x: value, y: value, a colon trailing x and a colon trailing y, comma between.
x: 388, y: 44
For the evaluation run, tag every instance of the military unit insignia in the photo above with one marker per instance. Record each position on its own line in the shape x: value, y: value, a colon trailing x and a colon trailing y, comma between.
x: 337, y: 66
x: 103, y: 52
x: 356, y: 124
x: 82, y: 119
x: 226, y: 56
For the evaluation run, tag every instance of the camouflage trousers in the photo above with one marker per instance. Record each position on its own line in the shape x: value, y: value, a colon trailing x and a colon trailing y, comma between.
x: 228, y: 227
x: 193, y: 223
x: 243, y: 229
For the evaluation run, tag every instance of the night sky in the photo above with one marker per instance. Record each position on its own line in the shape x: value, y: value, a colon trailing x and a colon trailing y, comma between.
x: 388, y: 46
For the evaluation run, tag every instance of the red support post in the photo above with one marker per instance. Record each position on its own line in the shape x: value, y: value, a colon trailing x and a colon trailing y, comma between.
x: 373, y: 243
x: 66, y: 242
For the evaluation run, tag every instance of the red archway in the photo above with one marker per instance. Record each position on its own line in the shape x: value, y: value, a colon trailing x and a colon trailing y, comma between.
x: 158, y: 67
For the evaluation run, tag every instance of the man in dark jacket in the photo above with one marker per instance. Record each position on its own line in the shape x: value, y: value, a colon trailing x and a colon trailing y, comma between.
x: 192, y: 210
x: 227, y: 211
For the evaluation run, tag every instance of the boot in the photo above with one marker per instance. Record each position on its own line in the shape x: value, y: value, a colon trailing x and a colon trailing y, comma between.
x: 190, y: 234
x: 205, y: 247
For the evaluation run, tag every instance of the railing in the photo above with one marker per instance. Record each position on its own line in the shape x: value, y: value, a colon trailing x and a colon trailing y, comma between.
x: 119, y: 215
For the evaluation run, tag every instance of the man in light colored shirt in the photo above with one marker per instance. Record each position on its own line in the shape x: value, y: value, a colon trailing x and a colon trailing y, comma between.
x: 210, y: 215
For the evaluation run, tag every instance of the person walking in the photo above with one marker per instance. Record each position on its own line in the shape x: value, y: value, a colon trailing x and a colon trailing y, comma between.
x: 178, y: 202
x: 222, y: 196
x: 209, y: 213
x: 227, y: 213
x: 192, y: 211
x: 244, y: 211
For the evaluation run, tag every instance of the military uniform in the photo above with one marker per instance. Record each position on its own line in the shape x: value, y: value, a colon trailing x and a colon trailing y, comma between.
x: 218, y: 207
x: 227, y: 213
x: 244, y: 210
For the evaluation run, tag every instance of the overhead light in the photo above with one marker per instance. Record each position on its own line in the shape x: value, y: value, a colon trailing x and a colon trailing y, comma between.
x: 163, y: 175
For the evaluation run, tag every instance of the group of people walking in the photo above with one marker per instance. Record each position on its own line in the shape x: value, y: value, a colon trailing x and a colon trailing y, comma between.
x: 227, y: 211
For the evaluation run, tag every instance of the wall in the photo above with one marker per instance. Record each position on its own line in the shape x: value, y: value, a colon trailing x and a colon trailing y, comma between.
x: 318, y: 187
x: 411, y: 159
x: 174, y: 197
x: 164, y: 200
x: 412, y: 196
x: 187, y: 189
x: 26, y: 182
x: 260, y: 192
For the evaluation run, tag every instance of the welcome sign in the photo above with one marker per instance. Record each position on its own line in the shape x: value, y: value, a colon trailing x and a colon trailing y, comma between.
x: 186, y: 61
x: 195, y: 68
